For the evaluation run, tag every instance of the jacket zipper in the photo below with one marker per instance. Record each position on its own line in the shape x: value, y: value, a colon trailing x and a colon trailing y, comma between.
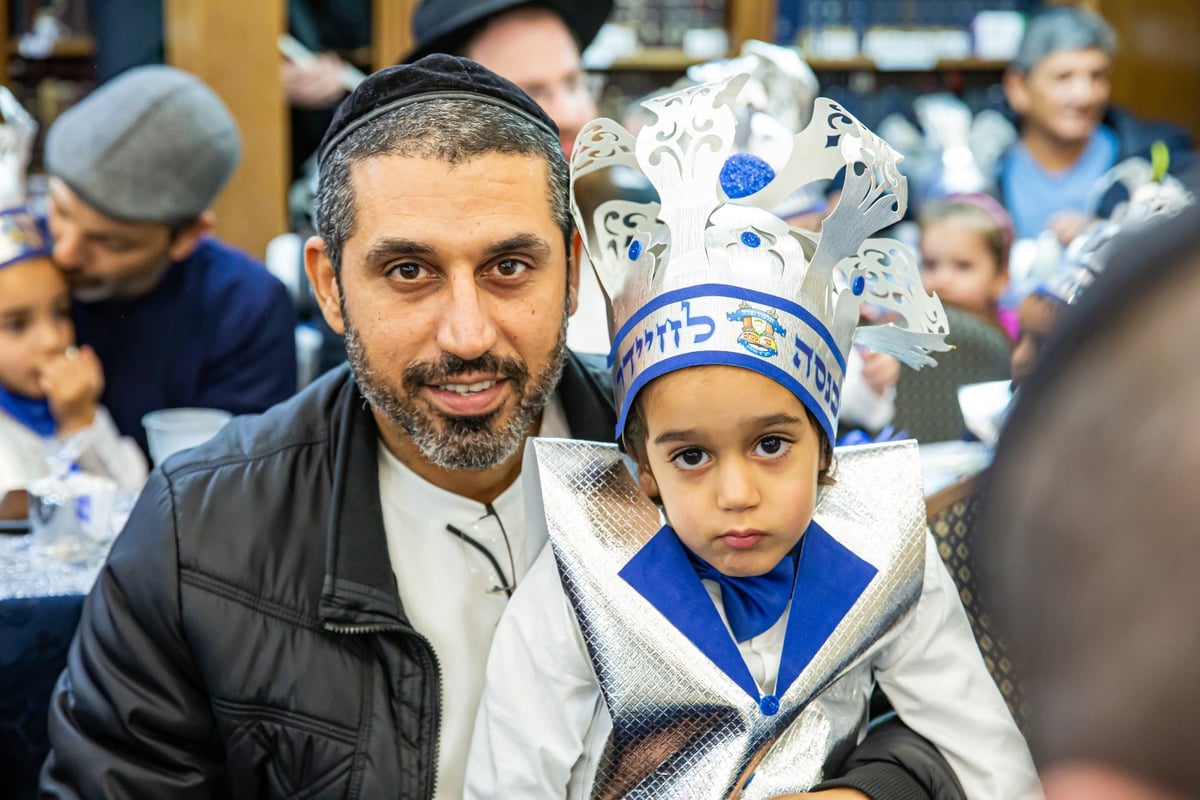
x: 352, y: 630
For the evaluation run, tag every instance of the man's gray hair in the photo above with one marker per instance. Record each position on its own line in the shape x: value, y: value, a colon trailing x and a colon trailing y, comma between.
x: 451, y: 129
x: 1065, y: 28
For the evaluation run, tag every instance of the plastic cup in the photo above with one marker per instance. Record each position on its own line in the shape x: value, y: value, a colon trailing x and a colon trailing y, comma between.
x: 173, y: 429
x: 71, y: 517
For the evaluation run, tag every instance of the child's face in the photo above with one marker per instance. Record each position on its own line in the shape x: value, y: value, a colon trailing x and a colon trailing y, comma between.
x: 957, y: 264
x: 35, y: 323
x: 1038, y: 318
x: 734, y: 459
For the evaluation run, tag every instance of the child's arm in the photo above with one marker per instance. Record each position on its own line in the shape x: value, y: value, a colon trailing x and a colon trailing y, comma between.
x: 540, y: 700
x: 935, y: 678
x: 73, y: 383
x: 109, y: 453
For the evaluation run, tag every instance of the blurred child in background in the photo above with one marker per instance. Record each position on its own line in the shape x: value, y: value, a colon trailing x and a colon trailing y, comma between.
x: 965, y: 240
x: 49, y: 389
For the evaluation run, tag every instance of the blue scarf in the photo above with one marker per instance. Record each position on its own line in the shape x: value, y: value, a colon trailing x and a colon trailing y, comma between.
x: 33, y: 414
x: 752, y: 604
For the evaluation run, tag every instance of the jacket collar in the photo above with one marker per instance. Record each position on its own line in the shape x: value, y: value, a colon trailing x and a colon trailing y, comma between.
x: 360, y: 587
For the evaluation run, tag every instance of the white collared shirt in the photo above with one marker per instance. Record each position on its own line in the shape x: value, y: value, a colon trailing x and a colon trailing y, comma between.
x: 449, y: 590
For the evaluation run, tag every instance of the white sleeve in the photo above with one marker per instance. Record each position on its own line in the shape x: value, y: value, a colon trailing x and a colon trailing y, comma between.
x: 109, y: 453
x: 935, y: 678
x: 540, y: 696
x: 859, y: 404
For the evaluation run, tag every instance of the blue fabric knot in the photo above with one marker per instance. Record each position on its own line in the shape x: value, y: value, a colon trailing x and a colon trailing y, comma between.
x: 754, y: 603
x: 30, y: 412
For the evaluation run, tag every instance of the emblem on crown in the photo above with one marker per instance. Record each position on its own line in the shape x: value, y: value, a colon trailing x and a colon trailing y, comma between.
x: 704, y: 273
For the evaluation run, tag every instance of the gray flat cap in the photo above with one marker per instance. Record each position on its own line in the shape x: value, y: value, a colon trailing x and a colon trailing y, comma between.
x: 153, y: 144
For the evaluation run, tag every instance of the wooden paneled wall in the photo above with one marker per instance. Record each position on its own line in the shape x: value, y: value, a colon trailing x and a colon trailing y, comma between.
x: 1156, y: 72
x: 231, y: 46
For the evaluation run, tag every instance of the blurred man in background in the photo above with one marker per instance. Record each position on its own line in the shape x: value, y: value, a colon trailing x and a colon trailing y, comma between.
x: 1088, y: 552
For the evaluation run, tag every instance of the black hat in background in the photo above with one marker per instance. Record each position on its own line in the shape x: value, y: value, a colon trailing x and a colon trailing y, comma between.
x: 433, y: 77
x: 445, y: 26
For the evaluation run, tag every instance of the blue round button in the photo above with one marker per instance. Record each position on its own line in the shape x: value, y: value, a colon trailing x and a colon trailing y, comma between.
x: 635, y: 250
x: 769, y: 705
x: 751, y: 239
x: 860, y: 283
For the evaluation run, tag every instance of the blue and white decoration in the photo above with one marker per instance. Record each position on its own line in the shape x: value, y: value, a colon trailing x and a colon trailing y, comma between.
x: 709, y: 275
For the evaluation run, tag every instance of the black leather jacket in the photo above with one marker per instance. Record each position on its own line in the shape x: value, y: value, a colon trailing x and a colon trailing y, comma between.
x: 246, y: 639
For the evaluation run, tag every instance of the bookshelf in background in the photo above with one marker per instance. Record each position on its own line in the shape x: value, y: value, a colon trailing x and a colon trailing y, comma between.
x: 47, y: 60
x: 874, y: 56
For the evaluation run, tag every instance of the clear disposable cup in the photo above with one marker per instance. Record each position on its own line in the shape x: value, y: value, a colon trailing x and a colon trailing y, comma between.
x: 173, y: 429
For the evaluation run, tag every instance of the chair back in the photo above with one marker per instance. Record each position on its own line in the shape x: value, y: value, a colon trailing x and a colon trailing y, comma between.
x: 952, y: 514
x: 927, y: 400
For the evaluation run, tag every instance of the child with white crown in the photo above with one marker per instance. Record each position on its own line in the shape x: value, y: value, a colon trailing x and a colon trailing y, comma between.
x: 49, y: 389
x: 732, y: 651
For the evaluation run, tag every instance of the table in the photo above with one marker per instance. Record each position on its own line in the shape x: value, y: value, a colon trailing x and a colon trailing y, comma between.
x: 946, y: 463
x: 40, y: 603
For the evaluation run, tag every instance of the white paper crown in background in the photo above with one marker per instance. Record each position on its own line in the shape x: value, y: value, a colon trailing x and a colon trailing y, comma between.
x: 1150, y: 197
x: 20, y: 235
x: 708, y: 275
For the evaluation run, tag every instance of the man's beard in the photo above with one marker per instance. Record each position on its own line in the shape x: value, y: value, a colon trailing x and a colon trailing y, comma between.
x: 452, y: 442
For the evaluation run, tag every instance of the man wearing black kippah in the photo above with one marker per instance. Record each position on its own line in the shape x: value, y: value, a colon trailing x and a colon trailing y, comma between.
x: 304, y: 605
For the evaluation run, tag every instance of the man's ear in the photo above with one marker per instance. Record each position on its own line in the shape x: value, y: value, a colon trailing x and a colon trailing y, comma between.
x: 1015, y: 90
x: 188, y: 239
x: 573, y: 261
x: 326, y: 289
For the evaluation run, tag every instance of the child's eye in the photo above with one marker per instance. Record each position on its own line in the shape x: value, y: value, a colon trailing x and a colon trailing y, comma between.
x: 772, y: 446
x: 691, y: 458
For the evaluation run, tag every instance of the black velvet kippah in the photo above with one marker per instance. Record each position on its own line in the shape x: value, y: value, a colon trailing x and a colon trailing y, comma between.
x: 433, y: 77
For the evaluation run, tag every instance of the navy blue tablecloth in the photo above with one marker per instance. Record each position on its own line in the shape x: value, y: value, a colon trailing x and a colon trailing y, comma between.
x: 41, y: 598
x: 35, y: 633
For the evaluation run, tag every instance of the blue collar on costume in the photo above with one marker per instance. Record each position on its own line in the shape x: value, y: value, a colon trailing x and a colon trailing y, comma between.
x: 829, y: 580
x: 33, y: 414
x: 753, y: 603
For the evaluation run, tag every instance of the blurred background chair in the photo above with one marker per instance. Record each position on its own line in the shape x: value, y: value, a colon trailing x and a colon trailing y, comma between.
x: 927, y: 400
x: 952, y: 514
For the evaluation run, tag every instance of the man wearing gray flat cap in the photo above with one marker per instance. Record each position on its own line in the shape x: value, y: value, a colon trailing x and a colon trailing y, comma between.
x: 177, y: 317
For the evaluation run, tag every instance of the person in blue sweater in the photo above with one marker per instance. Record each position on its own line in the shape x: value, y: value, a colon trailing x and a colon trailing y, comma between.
x: 176, y: 317
x: 1059, y: 86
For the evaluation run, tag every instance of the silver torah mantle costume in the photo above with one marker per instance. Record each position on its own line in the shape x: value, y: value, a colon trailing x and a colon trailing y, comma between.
x: 688, y: 719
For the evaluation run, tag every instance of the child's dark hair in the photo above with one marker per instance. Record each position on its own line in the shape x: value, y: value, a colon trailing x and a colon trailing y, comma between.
x: 633, y: 441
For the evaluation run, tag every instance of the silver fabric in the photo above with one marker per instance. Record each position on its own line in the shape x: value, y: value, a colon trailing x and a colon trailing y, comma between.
x: 681, y: 727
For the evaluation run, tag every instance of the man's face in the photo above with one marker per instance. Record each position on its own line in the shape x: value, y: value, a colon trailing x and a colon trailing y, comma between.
x: 1064, y: 96
x: 454, y: 299
x: 103, y: 258
x: 534, y: 49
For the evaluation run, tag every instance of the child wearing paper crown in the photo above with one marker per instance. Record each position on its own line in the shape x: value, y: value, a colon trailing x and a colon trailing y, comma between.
x: 49, y: 389
x: 732, y: 651
x: 965, y: 241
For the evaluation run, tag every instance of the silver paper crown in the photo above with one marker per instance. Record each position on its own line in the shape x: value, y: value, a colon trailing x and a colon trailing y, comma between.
x: 1150, y: 198
x: 708, y: 275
